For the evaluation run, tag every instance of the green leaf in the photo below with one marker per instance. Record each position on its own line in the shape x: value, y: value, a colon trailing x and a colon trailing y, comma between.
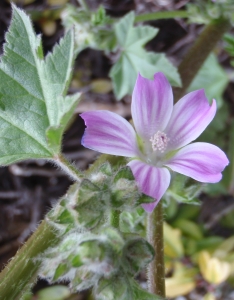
x: 212, y: 78
x: 124, y: 173
x: 58, y: 292
x: 134, y: 59
x: 133, y: 221
x: 189, y: 228
x: 122, y: 288
x: 184, y: 190
x: 65, y: 217
x: 229, y: 47
x: 34, y: 110
x: 137, y: 254
x: 140, y: 293
x: 115, y: 288
x: 61, y: 270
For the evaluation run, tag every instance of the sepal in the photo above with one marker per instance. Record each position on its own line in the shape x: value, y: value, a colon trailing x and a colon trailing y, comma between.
x: 125, y: 193
x: 137, y: 254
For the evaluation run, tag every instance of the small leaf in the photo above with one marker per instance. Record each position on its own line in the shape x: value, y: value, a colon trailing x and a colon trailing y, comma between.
x: 212, y: 269
x: 75, y: 261
x: 145, y: 199
x: 209, y: 296
x: 124, y: 173
x: 61, y: 270
x: 65, y: 217
x: 114, y: 238
x: 58, y: 292
x: 229, y: 39
x: 139, y: 293
x: 189, y: 228
x: 84, y: 279
x: 209, y: 243
x: 224, y: 248
x: 182, y: 282
x: 113, y: 288
x: 137, y: 254
x: 105, y: 169
x: 133, y: 221
x: 172, y: 242
x: 90, y: 214
x: 101, y: 86
x: 88, y: 191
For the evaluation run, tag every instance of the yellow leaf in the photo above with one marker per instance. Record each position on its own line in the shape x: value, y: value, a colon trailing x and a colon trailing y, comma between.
x: 182, y: 281
x: 209, y: 296
x: 172, y: 242
x: 48, y: 27
x: 212, y: 269
x: 101, y: 86
x: 57, y: 2
x: 224, y: 248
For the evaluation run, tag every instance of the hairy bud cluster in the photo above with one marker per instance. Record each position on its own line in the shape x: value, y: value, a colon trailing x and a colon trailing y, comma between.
x: 88, y: 260
x: 91, y: 253
x: 88, y: 204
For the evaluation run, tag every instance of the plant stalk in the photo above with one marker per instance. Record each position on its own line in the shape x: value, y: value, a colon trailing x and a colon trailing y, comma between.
x: 161, y: 15
x: 156, y: 270
x: 199, y: 52
x: 21, y: 272
x: 68, y: 168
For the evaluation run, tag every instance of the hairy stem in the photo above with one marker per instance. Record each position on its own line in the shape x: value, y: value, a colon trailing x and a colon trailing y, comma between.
x: 21, y: 273
x: 156, y: 270
x: 199, y: 52
x: 68, y: 168
x: 161, y: 15
x: 114, y: 218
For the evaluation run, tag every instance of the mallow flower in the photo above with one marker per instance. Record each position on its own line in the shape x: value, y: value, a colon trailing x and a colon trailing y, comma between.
x: 160, y: 142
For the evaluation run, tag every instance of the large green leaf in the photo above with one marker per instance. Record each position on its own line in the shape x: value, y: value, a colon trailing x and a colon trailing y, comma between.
x: 34, y: 110
x: 135, y: 59
x: 212, y: 78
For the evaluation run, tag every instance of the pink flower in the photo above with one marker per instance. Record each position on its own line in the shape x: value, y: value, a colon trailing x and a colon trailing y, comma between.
x: 160, y: 140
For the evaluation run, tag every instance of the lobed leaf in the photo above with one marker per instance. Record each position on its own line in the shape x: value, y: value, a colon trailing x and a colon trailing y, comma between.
x: 135, y: 59
x: 213, y: 78
x: 34, y: 110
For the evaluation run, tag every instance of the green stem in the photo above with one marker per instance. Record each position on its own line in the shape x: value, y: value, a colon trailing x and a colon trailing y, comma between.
x: 21, y: 273
x: 114, y: 218
x: 199, y: 52
x: 68, y: 168
x: 161, y: 15
x: 156, y: 271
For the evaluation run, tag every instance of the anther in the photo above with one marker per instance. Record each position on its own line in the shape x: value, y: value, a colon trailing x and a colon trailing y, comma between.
x: 159, y: 141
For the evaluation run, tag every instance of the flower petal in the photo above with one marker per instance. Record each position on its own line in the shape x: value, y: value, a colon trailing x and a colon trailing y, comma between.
x: 152, y: 104
x: 190, y: 116
x: 109, y: 133
x: 201, y: 161
x: 152, y: 181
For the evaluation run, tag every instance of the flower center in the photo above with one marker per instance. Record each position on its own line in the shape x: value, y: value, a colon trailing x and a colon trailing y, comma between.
x: 159, y: 141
